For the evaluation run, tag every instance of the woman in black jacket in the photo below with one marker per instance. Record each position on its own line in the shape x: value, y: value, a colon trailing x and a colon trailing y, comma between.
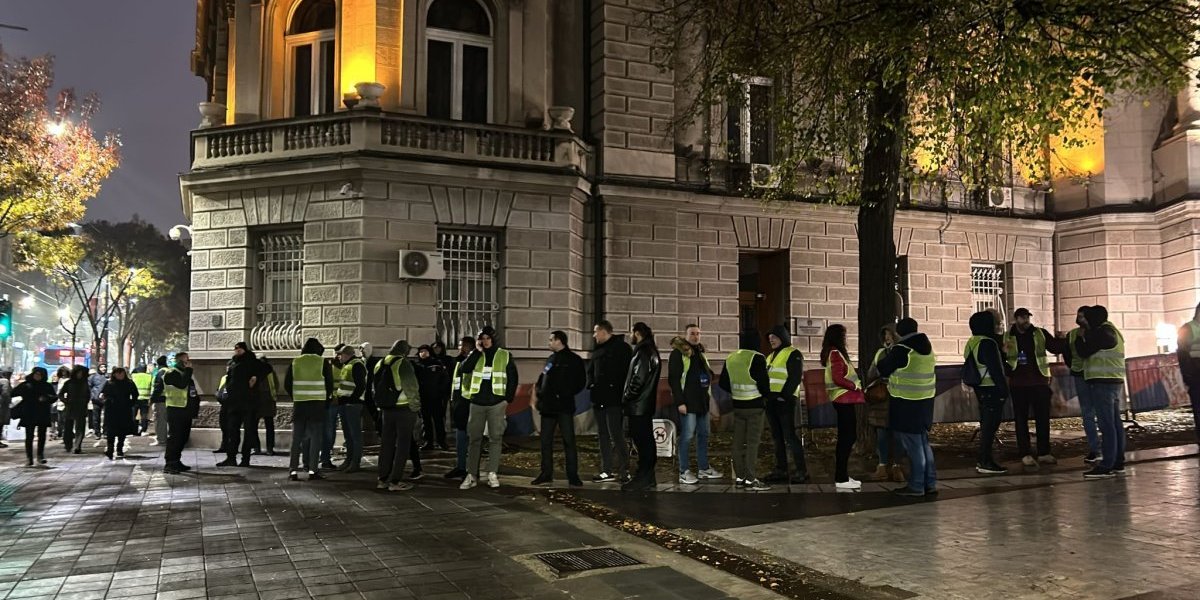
x: 76, y: 394
x: 120, y: 397
x: 640, y: 400
x: 37, y: 396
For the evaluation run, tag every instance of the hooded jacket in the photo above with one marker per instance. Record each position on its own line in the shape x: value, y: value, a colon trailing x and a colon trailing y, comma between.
x: 312, y: 346
x: 485, y: 397
x: 694, y: 392
x: 77, y: 393
x: 795, y: 367
x: 907, y: 416
x: 433, y: 377
x: 758, y: 372
x: 990, y: 356
x: 119, y: 398
x: 562, y: 378
x: 1095, y: 338
x: 640, y: 396
x: 608, y: 370
x: 36, y: 399
x: 239, y: 393
x: 403, y: 376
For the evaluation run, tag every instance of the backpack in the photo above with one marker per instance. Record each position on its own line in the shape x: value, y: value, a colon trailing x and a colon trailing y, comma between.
x: 386, y: 394
x: 970, y: 375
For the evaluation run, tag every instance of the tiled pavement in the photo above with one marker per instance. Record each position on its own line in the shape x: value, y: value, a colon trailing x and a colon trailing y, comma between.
x: 1137, y: 536
x: 90, y: 528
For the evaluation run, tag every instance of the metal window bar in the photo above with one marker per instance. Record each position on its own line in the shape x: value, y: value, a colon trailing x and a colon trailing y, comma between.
x: 987, y: 287
x: 281, y: 268
x: 468, y: 298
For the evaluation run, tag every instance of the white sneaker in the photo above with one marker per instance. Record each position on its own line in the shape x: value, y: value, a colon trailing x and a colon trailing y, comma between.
x: 468, y: 482
x: 154, y: 443
x: 493, y: 481
x: 99, y: 443
x: 709, y: 473
x: 688, y: 478
x: 850, y: 485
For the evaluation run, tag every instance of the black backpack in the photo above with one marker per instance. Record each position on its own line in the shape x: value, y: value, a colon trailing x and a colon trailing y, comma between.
x: 970, y: 375
x: 386, y: 394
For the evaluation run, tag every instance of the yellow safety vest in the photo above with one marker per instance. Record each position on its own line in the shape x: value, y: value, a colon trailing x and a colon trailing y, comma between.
x: 1039, y: 350
x: 497, y: 372
x: 687, y: 367
x: 1194, y: 328
x: 1076, y: 362
x: 393, y: 362
x: 777, y: 368
x: 972, y: 351
x: 176, y: 397
x: 344, y: 378
x: 144, y: 382
x: 742, y: 386
x: 1107, y: 364
x: 917, y: 380
x: 833, y: 390
x: 308, y: 378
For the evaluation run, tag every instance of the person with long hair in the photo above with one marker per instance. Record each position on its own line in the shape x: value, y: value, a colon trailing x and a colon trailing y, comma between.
x: 120, y: 396
x: 640, y: 401
x: 845, y: 391
x: 37, y: 396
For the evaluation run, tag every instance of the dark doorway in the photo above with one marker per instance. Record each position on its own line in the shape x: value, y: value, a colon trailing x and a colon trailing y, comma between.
x: 762, y: 291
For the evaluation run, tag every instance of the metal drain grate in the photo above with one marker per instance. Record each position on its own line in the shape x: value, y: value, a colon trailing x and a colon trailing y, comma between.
x: 574, y: 561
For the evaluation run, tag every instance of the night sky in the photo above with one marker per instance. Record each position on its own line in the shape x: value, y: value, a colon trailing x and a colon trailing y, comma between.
x: 134, y: 54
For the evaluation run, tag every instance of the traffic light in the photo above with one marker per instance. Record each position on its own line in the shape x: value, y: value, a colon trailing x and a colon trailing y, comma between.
x: 6, y: 328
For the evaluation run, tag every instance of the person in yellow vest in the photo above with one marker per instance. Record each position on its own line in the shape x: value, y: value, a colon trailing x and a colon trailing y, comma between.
x: 309, y: 381
x: 690, y: 377
x: 489, y: 383
x: 785, y: 368
x: 1087, y: 407
x: 845, y: 392
x: 176, y: 385
x: 746, y: 379
x: 910, y: 368
x: 141, y: 412
x: 983, y: 355
x: 877, y: 414
x: 1189, y: 363
x: 351, y: 387
x: 1025, y: 348
x: 1102, y: 348
x: 460, y: 410
x: 397, y: 394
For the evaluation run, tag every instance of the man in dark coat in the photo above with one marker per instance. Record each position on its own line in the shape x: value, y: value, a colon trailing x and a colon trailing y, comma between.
x: 241, y: 400
x: 460, y: 409
x: 606, y: 374
x: 639, y: 401
x: 561, y: 380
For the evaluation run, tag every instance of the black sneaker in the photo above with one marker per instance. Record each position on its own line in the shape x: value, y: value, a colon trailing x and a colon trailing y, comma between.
x: 1092, y: 458
x: 931, y: 491
x: 776, y: 476
x: 183, y: 467
x: 800, y: 479
x: 328, y: 465
x: 604, y: 478
x: 312, y: 475
x: 415, y: 475
x: 229, y: 462
x: 244, y: 463
x: 542, y: 479
x: 991, y: 469
x: 1119, y: 470
x: 294, y: 476
x: 1099, y: 473
x: 740, y: 483
x: 171, y: 470
x: 455, y: 473
x: 576, y: 482
x: 109, y: 454
x: 908, y: 492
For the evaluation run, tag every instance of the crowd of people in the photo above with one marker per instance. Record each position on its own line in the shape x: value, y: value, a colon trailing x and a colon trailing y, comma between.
x: 406, y: 401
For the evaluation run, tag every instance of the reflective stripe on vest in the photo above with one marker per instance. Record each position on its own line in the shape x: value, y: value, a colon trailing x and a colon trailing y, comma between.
x: 176, y: 397
x: 1039, y: 351
x: 917, y: 380
x: 497, y: 372
x: 742, y: 386
x: 308, y: 378
x: 972, y: 351
x: 777, y: 368
x: 143, y: 381
x: 345, y: 378
x: 1194, y: 349
x: 1107, y: 364
x: 455, y: 380
x: 1076, y: 362
x: 833, y: 390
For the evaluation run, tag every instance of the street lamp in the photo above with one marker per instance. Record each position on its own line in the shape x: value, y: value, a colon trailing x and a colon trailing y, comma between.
x: 56, y: 128
x: 176, y: 232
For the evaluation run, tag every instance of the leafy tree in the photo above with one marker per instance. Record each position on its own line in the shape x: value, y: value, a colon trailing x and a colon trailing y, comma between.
x: 51, y: 162
x: 871, y: 95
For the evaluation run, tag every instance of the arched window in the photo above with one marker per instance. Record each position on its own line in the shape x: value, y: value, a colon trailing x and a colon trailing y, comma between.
x: 310, y: 56
x: 459, y: 67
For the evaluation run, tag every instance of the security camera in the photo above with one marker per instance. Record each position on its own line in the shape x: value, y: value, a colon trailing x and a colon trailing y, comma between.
x: 347, y: 189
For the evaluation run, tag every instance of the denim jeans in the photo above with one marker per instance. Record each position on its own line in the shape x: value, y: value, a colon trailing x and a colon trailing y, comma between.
x: 1087, y: 410
x: 692, y: 425
x: 329, y: 433
x: 462, y: 440
x: 1107, y: 399
x: 922, y: 474
x: 991, y: 413
x: 351, y: 416
x: 307, y: 425
x: 883, y: 445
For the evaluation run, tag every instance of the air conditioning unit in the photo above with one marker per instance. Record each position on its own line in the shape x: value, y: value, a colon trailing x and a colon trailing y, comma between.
x: 421, y: 264
x: 764, y: 176
x: 1000, y: 198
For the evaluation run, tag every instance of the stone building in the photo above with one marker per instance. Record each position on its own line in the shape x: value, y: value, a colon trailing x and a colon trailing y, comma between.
x: 529, y: 144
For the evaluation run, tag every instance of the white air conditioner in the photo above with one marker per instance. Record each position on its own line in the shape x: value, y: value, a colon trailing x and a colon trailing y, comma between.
x: 1000, y: 198
x: 421, y: 264
x: 764, y: 176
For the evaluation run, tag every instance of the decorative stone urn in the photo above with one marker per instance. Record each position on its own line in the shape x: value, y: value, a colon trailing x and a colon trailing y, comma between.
x: 212, y: 114
x: 560, y: 118
x: 370, y: 92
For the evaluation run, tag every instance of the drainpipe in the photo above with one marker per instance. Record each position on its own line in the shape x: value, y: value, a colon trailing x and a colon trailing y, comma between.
x: 598, y: 162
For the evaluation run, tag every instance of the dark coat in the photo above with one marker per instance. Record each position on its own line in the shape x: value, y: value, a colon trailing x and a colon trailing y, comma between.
x: 907, y: 416
x: 694, y: 392
x: 608, y: 370
x: 561, y: 380
x: 433, y: 379
x: 640, y: 398
x: 76, y: 394
x: 36, y: 399
x: 266, y: 398
x: 119, y: 400
x: 240, y: 394
x: 990, y: 354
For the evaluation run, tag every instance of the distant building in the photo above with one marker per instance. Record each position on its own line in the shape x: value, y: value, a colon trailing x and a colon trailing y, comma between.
x: 300, y: 206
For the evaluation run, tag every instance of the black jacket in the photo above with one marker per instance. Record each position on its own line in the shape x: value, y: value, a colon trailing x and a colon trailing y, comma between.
x: 608, y: 371
x: 312, y: 346
x: 36, y: 399
x: 1095, y: 338
x: 907, y: 416
x: 433, y: 379
x: 119, y: 398
x: 693, y: 393
x: 758, y: 372
x: 795, y: 368
x: 991, y: 356
x: 561, y: 380
x: 640, y: 397
x: 239, y: 393
x: 485, y: 397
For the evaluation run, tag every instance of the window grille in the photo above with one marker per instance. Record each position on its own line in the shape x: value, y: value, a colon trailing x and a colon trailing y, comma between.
x: 468, y: 296
x: 281, y: 275
x: 987, y: 288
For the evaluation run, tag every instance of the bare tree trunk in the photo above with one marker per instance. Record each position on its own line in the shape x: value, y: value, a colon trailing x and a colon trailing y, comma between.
x: 883, y: 161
